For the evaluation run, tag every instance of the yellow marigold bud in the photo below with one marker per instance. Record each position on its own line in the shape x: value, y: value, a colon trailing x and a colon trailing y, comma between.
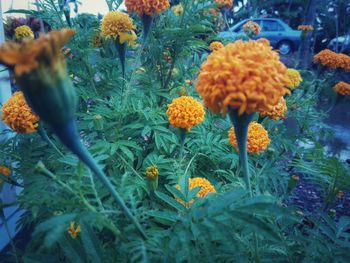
x: 73, y: 231
x: 177, y: 9
x: 5, y: 170
x: 257, y: 141
x: 342, y: 88
x: 277, y: 112
x: 247, y: 76
x: 294, y: 78
x: 251, y: 28
x: 306, y: 28
x: 205, y: 188
x: 185, y: 112
x: 216, y: 45
x: 149, y: 7
x: 227, y: 3
x: 118, y: 25
x: 24, y: 32
x: 18, y: 115
x: 152, y: 172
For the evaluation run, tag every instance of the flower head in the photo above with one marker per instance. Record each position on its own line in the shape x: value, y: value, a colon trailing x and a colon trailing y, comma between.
x: 185, y: 112
x: 277, y: 112
x: 18, y: 115
x: 263, y: 41
x: 118, y: 25
x: 24, y: 32
x: 247, y: 76
x: 216, y: 45
x: 5, y: 170
x: 227, y: 3
x: 294, y: 78
x: 73, y: 231
x: 177, y: 9
x: 205, y: 188
x: 251, y: 28
x: 147, y: 7
x: 152, y: 172
x: 306, y: 28
x: 333, y: 60
x: 257, y: 141
x: 342, y: 88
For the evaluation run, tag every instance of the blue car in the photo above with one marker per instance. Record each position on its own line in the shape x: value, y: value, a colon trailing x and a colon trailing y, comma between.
x: 280, y: 35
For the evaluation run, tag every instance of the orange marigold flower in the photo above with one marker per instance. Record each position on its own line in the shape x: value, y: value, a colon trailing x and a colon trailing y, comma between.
x: 24, y: 32
x: 73, y: 231
x: 306, y: 28
x: 277, y: 112
x: 147, y: 7
x: 257, y: 141
x: 263, y: 41
x: 294, y: 78
x: 18, y: 115
x: 333, y: 60
x: 247, y: 76
x: 251, y: 28
x: 5, y: 170
x: 227, y: 3
x: 342, y: 88
x: 216, y: 45
x: 185, y: 112
x: 205, y: 188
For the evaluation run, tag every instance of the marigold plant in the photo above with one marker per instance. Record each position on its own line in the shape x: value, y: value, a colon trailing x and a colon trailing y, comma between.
x: 294, y: 78
x: 227, y: 3
x: 152, y: 172
x: 24, y: 32
x: 18, y: 115
x: 247, y: 76
x: 216, y: 45
x: 257, y: 141
x: 333, y: 60
x: 185, y: 112
x: 251, y: 28
x: 150, y: 7
x: 342, y: 88
x: 277, y: 112
x: 306, y: 28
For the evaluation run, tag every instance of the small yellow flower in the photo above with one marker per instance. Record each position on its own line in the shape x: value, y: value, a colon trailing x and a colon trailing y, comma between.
x: 342, y: 88
x: 216, y: 45
x: 18, y: 115
x: 294, y: 78
x: 257, y: 141
x: 277, y: 112
x: 152, y: 172
x: 177, y: 9
x: 118, y: 25
x: 73, y: 231
x: 251, y: 28
x: 24, y: 32
x: 185, y: 112
x: 205, y: 188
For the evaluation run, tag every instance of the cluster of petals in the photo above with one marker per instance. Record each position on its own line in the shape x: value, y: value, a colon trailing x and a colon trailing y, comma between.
x: 342, y: 88
x: 294, y: 78
x: 216, y: 45
x: 277, y: 112
x: 18, y: 115
x: 5, y: 170
x: 257, y: 140
x: 247, y: 76
x: 306, y: 28
x: 185, y: 112
x: 333, y: 60
x: 152, y: 172
x: 146, y: 7
x: 251, y: 27
x: 205, y: 188
x: 227, y: 3
x: 23, y: 32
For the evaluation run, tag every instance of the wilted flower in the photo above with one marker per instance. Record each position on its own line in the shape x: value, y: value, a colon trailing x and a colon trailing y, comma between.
x: 257, y: 141
x: 216, y: 45
x: 227, y: 3
x: 294, y: 78
x: 277, y: 112
x: 18, y: 115
x: 342, y: 88
x: 177, y: 9
x: 247, y: 76
x: 73, y: 231
x: 205, y: 188
x: 118, y: 26
x: 149, y: 7
x: 251, y: 28
x: 24, y: 32
x: 185, y: 112
x: 306, y: 28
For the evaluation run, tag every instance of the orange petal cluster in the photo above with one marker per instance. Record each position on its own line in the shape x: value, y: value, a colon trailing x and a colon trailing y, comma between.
x: 146, y: 7
x: 333, y: 60
x: 277, y: 112
x: 251, y: 27
x: 342, y: 88
x: 247, y: 76
x: 216, y: 45
x: 5, y: 170
x: 185, y: 112
x: 227, y: 3
x: 257, y: 141
x: 306, y: 28
x: 205, y: 188
x: 18, y: 115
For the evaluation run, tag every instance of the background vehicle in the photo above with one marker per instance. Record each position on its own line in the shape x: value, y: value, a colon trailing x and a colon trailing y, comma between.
x: 340, y: 44
x: 280, y: 35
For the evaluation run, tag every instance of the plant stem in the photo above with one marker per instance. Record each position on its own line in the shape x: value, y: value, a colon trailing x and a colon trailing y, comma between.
x: 183, y: 133
x: 2, y: 216
x: 44, y: 136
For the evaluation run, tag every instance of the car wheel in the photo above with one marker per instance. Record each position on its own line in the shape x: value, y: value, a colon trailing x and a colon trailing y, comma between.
x: 285, y: 47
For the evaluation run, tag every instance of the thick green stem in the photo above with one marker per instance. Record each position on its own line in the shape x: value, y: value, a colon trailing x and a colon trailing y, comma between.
x: 183, y: 133
x: 121, y: 48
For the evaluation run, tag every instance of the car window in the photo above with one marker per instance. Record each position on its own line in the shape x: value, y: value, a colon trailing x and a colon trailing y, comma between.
x: 271, y: 26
